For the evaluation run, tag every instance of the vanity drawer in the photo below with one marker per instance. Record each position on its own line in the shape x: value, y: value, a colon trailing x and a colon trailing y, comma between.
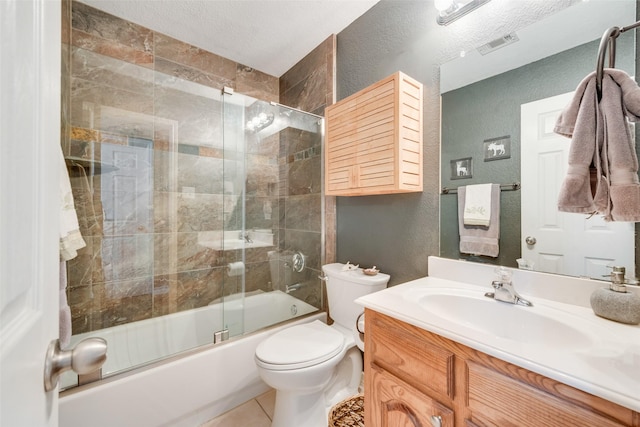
x: 498, y: 400
x: 402, y: 350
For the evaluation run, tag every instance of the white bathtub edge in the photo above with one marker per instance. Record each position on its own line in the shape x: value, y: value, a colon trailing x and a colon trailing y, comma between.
x: 174, y: 394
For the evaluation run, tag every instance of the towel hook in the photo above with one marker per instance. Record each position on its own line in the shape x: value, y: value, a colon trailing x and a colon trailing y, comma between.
x: 608, y: 40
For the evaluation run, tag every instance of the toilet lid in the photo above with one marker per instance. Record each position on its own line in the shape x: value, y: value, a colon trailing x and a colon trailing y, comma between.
x: 300, y: 346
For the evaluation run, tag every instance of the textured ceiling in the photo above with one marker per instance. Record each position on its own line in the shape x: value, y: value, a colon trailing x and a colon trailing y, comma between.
x: 268, y: 35
x: 556, y: 31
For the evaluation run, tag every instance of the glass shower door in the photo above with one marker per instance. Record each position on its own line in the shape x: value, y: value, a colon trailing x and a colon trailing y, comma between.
x: 273, y: 213
x: 234, y: 235
x: 144, y: 166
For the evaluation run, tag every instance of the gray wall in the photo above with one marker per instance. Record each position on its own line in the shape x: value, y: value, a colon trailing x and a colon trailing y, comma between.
x: 394, y: 232
x: 491, y: 108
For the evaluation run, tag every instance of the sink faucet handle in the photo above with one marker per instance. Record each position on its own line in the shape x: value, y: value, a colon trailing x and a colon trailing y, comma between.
x: 504, y: 289
x: 504, y: 274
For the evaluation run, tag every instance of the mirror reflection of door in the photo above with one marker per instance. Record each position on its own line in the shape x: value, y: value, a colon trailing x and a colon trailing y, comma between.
x: 127, y: 200
x: 566, y: 243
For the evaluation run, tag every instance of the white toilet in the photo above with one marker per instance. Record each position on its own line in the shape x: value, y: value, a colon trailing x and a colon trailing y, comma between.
x: 313, y: 366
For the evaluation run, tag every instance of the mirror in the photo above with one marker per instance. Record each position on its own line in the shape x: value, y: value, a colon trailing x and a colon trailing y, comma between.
x: 481, y: 131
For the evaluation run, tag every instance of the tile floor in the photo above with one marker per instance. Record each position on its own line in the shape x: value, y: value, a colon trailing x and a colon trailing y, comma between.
x: 255, y: 413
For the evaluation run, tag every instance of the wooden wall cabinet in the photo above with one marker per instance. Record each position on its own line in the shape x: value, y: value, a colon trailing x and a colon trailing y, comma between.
x: 374, y: 138
x: 417, y: 378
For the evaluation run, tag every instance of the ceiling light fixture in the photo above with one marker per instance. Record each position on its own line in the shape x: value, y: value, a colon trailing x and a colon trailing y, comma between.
x: 450, y: 10
x: 259, y: 122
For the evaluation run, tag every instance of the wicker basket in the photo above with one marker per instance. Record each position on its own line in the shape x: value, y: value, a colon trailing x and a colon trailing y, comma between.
x: 348, y: 413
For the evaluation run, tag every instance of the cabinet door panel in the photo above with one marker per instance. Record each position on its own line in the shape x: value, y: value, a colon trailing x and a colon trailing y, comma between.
x: 383, y: 89
x: 497, y: 400
x: 391, y: 402
x: 340, y: 179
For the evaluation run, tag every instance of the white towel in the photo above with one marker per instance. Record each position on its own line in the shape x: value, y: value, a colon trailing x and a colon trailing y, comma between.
x: 65, y: 311
x: 478, y: 240
x: 70, y: 242
x: 477, y: 205
x: 70, y: 237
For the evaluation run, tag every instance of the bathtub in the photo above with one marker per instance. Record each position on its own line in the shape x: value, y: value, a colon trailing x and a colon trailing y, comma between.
x: 188, y: 389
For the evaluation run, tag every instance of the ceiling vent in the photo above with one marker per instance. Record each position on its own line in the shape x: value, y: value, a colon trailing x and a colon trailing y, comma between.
x: 498, y: 43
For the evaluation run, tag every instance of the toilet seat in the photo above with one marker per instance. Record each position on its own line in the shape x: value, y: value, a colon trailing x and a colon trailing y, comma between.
x: 300, y: 346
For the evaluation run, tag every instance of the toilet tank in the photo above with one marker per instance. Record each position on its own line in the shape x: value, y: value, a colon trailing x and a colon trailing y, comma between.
x: 344, y: 287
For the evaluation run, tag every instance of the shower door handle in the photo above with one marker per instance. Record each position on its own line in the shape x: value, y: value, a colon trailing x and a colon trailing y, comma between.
x: 87, y: 356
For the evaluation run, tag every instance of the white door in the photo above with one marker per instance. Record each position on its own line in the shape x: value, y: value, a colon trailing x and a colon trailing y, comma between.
x: 565, y: 243
x: 30, y: 53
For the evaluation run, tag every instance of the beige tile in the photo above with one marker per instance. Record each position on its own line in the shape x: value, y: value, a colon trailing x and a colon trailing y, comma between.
x: 267, y: 401
x: 247, y: 414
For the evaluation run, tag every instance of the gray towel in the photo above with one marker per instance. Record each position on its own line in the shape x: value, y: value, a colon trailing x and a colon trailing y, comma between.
x: 476, y: 239
x: 578, y: 121
x: 602, y: 174
x: 619, y: 151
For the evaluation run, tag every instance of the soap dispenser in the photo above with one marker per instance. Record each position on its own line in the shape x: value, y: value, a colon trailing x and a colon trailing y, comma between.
x: 615, y: 303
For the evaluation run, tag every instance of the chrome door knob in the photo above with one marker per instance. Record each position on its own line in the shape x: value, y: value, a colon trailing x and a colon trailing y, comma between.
x: 87, y: 356
x: 530, y: 240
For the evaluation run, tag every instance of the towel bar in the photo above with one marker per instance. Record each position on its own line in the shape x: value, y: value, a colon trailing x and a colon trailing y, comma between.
x: 503, y: 187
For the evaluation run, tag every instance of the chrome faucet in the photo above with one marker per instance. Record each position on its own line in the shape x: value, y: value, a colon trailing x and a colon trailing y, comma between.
x: 245, y: 236
x: 294, y: 287
x: 504, y: 290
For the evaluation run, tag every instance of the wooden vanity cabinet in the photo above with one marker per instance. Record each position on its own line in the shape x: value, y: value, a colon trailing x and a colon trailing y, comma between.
x: 373, y: 142
x: 412, y: 375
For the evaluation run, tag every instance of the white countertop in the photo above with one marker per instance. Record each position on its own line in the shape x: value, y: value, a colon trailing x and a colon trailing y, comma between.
x: 592, y: 354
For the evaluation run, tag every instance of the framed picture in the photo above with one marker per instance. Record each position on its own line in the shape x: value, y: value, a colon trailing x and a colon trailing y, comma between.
x: 462, y: 168
x: 497, y: 148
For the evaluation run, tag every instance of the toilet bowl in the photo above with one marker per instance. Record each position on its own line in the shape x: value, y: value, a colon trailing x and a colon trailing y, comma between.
x: 313, y: 366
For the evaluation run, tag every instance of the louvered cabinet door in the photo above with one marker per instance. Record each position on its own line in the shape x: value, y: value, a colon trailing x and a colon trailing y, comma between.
x: 374, y: 140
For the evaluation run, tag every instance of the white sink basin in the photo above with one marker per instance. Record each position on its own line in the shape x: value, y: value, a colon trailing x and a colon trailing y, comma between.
x: 526, y: 325
x: 233, y: 244
x: 228, y: 240
x: 566, y: 342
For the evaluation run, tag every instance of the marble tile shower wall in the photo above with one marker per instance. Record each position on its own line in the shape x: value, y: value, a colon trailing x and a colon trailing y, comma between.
x: 308, y: 86
x: 130, y: 102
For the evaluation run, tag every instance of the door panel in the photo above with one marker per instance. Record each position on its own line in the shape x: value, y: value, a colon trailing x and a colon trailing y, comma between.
x: 566, y: 243
x: 30, y: 49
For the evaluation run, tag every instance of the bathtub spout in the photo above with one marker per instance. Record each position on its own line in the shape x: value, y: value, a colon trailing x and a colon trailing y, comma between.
x: 291, y: 288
